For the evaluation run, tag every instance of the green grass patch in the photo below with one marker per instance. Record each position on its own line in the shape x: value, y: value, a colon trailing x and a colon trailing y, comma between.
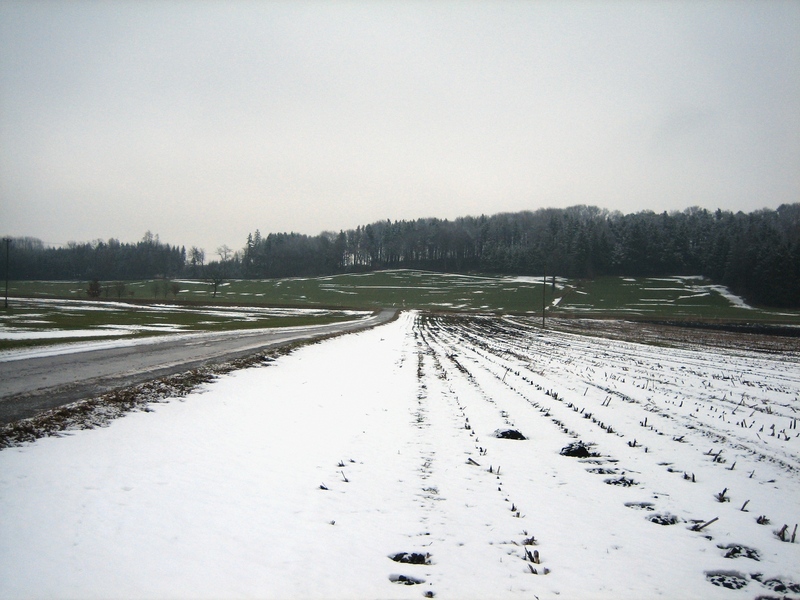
x: 683, y: 298
x: 368, y: 291
x: 36, y: 322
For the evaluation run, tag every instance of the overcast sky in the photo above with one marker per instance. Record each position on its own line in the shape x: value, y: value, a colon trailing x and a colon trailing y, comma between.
x: 205, y: 120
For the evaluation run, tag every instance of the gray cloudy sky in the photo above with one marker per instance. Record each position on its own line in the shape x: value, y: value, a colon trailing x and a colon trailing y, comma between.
x: 202, y: 121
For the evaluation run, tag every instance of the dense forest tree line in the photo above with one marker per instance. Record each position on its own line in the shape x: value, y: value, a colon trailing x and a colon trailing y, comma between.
x: 757, y: 255
x: 98, y: 260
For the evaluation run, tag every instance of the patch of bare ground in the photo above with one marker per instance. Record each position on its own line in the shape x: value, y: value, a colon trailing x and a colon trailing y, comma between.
x: 677, y: 335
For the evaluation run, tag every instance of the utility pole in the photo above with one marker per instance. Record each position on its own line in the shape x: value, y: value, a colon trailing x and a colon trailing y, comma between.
x: 8, y: 252
x: 544, y: 289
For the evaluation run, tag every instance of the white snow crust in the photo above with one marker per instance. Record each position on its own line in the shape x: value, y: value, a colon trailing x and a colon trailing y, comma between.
x: 219, y: 494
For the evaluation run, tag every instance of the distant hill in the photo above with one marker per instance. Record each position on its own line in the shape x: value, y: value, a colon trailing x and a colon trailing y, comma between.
x: 756, y: 255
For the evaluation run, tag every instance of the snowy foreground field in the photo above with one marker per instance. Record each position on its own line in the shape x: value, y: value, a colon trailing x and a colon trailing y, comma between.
x: 382, y: 465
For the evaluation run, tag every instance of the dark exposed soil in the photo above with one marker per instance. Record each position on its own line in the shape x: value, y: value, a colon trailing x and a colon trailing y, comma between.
x: 622, y: 482
x: 577, y: 450
x: 737, y: 550
x: 406, y: 579
x: 509, y: 434
x: 727, y: 579
x: 640, y: 505
x: 736, y: 336
x: 663, y: 519
x: 412, y: 558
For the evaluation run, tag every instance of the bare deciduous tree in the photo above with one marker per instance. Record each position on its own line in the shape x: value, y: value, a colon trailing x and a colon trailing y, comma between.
x: 197, y: 256
x: 225, y: 252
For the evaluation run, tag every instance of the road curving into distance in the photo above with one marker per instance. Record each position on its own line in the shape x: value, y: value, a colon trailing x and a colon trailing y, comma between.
x: 41, y: 379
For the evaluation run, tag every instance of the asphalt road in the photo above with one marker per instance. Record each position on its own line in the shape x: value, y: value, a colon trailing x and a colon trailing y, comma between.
x: 31, y: 383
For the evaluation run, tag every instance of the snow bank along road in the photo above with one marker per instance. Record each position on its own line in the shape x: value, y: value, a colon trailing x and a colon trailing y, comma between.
x: 32, y: 380
x: 381, y: 465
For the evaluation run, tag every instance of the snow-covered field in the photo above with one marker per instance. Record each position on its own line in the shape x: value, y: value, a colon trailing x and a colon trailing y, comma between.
x: 305, y: 478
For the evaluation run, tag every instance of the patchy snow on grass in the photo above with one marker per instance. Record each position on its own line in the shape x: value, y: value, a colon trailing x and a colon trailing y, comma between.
x: 691, y: 284
x: 165, y: 327
x: 10, y: 328
x: 728, y: 295
x: 48, y: 334
x: 384, y: 464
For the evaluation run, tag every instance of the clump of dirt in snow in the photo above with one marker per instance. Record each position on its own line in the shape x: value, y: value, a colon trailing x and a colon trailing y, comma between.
x: 413, y: 558
x: 663, y: 519
x: 737, y: 550
x: 509, y: 434
x: 640, y: 505
x: 733, y: 580
x: 622, y: 481
x: 405, y: 579
x: 777, y: 585
x: 577, y: 450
